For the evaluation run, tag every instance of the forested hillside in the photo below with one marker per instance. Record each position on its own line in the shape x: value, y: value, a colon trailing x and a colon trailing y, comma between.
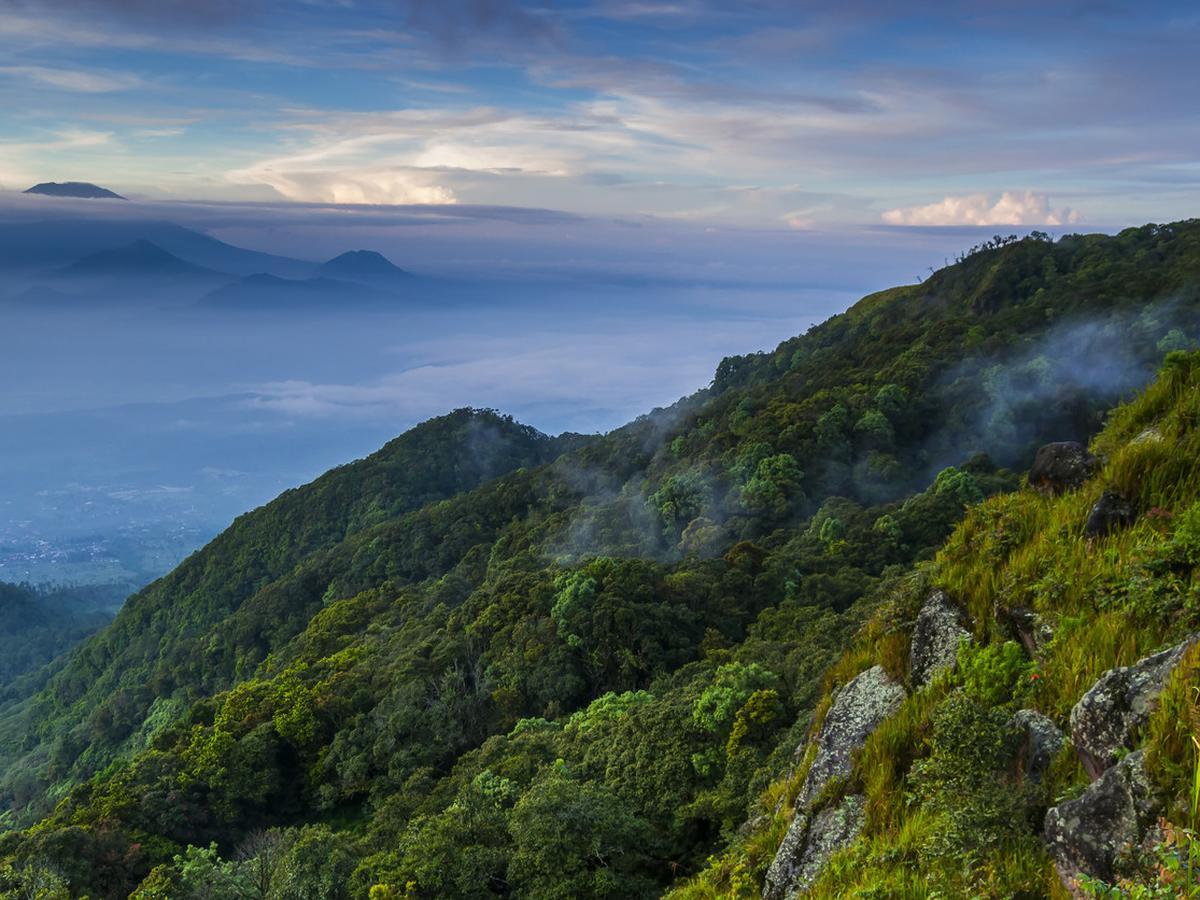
x: 485, y: 662
x: 1054, y: 743
x: 37, y: 624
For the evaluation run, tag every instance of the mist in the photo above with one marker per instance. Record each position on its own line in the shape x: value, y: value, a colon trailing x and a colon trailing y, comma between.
x: 178, y: 364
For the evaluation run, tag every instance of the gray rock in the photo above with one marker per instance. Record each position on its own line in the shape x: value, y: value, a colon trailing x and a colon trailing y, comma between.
x: 1033, y: 630
x: 1043, y: 740
x: 857, y: 710
x: 1149, y: 436
x: 1104, y: 720
x: 1062, y: 466
x: 808, y: 844
x: 1111, y: 512
x: 935, y: 638
x: 1090, y: 834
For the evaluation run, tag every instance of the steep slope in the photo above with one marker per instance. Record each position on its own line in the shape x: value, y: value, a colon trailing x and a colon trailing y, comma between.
x: 37, y: 625
x: 114, y: 680
x: 573, y: 679
x: 1001, y: 774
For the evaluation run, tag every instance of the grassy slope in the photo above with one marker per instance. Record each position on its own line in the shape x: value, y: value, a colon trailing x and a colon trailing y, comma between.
x: 1112, y: 601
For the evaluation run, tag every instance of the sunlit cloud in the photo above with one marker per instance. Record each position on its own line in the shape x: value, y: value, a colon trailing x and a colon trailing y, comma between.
x: 1010, y: 208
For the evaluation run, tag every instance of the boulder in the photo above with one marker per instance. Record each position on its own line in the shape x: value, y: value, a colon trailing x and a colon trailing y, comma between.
x: 857, y: 710
x: 935, y: 639
x: 1111, y: 512
x: 1150, y: 436
x: 808, y: 844
x: 1032, y: 629
x: 1043, y: 740
x: 1113, y: 817
x: 1062, y: 466
x: 1104, y: 720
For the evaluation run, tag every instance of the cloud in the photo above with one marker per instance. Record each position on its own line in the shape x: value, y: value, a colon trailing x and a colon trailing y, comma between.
x: 397, y: 186
x: 73, y: 79
x: 152, y: 11
x: 455, y: 23
x: 1010, y: 208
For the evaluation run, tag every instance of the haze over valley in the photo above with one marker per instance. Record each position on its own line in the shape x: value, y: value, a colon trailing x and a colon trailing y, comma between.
x: 172, y: 380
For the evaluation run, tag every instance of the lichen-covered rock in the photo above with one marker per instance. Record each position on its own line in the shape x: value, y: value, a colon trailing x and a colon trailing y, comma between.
x: 1105, y: 718
x: 1043, y: 740
x: 1111, y: 512
x: 1150, y: 436
x: 784, y: 868
x: 1062, y: 466
x: 935, y: 639
x: 808, y: 844
x: 857, y: 710
x: 1032, y: 629
x: 1089, y: 834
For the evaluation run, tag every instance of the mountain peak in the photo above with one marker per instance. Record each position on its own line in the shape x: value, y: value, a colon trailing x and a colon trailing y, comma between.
x: 141, y: 257
x: 363, y: 264
x: 83, y: 189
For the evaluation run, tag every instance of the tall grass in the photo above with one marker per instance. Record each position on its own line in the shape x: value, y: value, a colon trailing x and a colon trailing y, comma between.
x: 1107, y: 600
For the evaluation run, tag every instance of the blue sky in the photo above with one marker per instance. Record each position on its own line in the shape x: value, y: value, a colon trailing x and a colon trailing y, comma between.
x: 764, y: 115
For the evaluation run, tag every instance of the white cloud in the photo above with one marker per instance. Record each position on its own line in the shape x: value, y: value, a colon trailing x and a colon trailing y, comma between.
x: 1010, y: 208
x: 382, y: 186
x: 73, y: 79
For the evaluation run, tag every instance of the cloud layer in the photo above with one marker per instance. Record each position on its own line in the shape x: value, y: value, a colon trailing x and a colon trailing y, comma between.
x: 772, y: 114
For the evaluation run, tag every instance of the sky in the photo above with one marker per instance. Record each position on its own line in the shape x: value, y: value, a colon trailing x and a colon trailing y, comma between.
x: 768, y: 115
x: 624, y: 191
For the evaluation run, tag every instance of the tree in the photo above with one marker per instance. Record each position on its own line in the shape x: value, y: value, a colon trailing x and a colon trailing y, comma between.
x: 775, y: 485
x: 575, y: 839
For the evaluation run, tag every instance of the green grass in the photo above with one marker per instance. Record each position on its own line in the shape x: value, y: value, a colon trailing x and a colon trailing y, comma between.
x: 1111, y: 601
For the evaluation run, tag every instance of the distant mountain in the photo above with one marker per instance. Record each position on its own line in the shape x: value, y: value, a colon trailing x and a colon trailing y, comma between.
x: 364, y: 267
x: 266, y: 292
x: 138, y: 259
x: 37, y: 246
x: 74, y: 189
x: 136, y: 272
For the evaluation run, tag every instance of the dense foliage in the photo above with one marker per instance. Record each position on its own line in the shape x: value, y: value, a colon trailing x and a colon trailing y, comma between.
x: 945, y: 804
x: 484, y: 662
x: 39, y: 623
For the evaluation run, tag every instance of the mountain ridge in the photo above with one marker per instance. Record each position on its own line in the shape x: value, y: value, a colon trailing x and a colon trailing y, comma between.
x: 617, y: 638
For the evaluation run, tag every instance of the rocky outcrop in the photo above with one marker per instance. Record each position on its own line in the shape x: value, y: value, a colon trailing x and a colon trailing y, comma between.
x: 939, y: 630
x: 1032, y: 629
x: 808, y: 844
x: 1062, y: 466
x: 1149, y: 436
x: 1105, y: 719
x: 1043, y: 740
x: 857, y: 710
x: 1115, y: 815
x: 814, y: 834
x: 1111, y: 513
